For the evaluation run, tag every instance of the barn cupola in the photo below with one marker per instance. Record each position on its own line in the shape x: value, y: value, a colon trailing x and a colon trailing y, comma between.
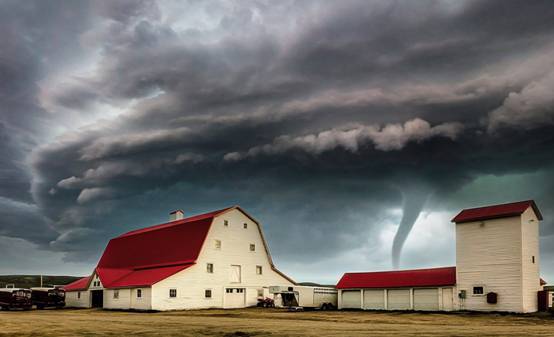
x: 176, y: 215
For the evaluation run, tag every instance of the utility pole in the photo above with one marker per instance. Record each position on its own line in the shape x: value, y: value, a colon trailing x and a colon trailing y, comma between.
x: 41, y: 280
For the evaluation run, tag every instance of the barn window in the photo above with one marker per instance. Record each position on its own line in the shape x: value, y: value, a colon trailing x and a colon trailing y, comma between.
x: 226, y: 223
x: 116, y: 294
x: 229, y: 290
x: 208, y: 293
x: 78, y: 294
x: 217, y: 244
x: 240, y: 290
x: 210, y: 268
x: 245, y: 225
x: 139, y: 293
x: 478, y: 290
x: 252, y: 247
x: 172, y: 292
x: 533, y: 258
x: 260, y: 293
x: 259, y: 270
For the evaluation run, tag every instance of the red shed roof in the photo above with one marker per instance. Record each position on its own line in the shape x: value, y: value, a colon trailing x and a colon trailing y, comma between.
x: 434, y: 277
x: 80, y: 284
x: 496, y: 211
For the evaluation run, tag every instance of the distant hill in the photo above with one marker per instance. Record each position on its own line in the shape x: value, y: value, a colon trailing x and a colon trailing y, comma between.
x: 28, y: 281
x: 312, y: 284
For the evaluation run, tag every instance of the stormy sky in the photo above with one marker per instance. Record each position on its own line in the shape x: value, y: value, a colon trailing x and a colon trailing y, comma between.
x: 332, y: 122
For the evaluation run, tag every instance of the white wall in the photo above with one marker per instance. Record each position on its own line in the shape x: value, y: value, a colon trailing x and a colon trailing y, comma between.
x: 191, y: 283
x: 446, y: 298
x: 122, y: 302
x: 489, y: 254
x: 71, y: 300
x: 530, y: 247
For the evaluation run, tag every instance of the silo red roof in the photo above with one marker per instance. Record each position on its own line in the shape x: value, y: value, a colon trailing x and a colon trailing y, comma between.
x: 496, y: 211
x: 433, y: 277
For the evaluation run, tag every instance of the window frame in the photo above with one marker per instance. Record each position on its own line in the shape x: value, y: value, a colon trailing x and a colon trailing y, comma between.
x: 208, y: 292
x: 478, y: 286
x: 260, y: 269
x: 252, y: 247
x: 217, y: 244
x: 172, y: 292
x: 226, y: 223
x: 78, y: 295
x: 210, y: 268
x: 116, y: 294
x: 245, y: 225
x: 139, y: 293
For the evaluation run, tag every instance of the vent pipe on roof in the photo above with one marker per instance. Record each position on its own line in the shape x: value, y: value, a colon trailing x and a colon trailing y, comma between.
x: 176, y: 215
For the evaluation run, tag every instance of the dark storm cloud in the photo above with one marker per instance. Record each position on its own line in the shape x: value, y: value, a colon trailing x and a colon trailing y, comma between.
x: 319, y: 118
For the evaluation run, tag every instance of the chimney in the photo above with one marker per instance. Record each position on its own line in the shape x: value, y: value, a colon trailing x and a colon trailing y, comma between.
x: 176, y: 215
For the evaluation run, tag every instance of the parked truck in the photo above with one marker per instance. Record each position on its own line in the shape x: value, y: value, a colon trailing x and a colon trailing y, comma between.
x: 44, y: 297
x: 15, y: 298
x: 304, y: 297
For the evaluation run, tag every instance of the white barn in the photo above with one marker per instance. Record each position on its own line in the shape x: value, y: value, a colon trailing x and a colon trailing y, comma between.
x: 214, y: 260
x: 497, y: 269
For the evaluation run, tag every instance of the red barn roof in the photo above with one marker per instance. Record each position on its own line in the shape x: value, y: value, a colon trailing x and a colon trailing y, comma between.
x: 148, y: 255
x: 542, y: 282
x: 80, y: 284
x: 434, y: 277
x: 496, y: 211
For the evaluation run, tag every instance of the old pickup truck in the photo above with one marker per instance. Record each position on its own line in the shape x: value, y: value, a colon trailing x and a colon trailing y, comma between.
x: 12, y: 298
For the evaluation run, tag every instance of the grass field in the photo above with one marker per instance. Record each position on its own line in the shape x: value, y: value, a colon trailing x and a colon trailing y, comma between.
x: 267, y: 322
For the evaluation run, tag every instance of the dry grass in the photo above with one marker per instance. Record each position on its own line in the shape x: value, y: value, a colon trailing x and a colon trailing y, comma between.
x: 266, y: 322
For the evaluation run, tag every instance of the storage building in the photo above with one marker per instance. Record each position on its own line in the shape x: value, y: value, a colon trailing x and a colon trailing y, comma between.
x: 497, y: 268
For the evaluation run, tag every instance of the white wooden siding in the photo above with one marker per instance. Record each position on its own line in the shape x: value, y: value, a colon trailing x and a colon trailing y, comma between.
x: 192, y: 282
x: 488, y: 253
x: 71, y: 300
x: 530, y: 270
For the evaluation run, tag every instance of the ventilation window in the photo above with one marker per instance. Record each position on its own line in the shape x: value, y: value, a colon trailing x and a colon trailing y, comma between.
x: 78, y: 294
x: 208, y: 293
x: 210, y: 268
x: 226, y: 223
x: 139, y: 293
x: 217, y: 244
x: 252, y: 247
x: 259, y: 270
x: 245, y: 225
x: 478, y: 291
x: 533, y: 258
x: 229, y: 290
x: 172, y: 292
x: 116, y: 294
x: 260, y: 293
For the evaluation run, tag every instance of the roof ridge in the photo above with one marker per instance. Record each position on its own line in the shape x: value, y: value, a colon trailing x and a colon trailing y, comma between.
x: 503, y: 204
x: 168, y: 224
x: 396, y: 271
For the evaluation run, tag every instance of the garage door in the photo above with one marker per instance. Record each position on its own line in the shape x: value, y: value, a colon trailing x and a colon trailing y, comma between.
x: 374, y: 299
x: 447, y: 299
x: 398, y: 299
x: 351, y: 299
x: 235, y: 298
x: 426, y: 299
